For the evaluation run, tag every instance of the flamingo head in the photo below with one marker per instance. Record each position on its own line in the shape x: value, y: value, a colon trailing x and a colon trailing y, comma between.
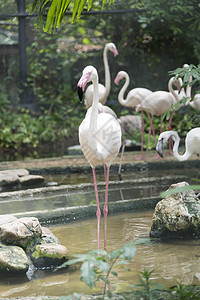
x: 113, y: 48
x: 178, y: 83
x: 89, y: 73
x: 120, y: 75
x: 163, y: 138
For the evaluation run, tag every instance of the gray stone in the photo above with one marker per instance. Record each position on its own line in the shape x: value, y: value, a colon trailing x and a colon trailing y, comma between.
x: 13, y: 259
x: 31, y: 180
x: 46, y: 255
x: 18, y: 172
x: 48, y: 236
x: 177, y: 215
x: 130, y: 124
x: 20, y: 231
x: 6, y: 219
x: 8, y: 179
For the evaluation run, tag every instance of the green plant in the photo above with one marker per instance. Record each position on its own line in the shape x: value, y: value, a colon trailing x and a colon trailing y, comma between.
x: 57, y: 9
x: 97, y: 265
x: 146, y: 287
x: 185, y: 292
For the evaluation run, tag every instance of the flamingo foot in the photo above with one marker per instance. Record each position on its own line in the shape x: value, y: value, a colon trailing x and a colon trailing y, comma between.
x: 141, y: 157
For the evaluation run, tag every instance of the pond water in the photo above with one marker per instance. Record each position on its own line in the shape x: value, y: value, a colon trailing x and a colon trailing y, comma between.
x: 135, y: 185
x: 171, y: 261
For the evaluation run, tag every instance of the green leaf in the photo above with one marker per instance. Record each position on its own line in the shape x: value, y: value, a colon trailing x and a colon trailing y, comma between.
x: 90, y: 4
x: 88, y: 274
x: 104, y: 279
x: 75, y: 9
x: 109, y: 294
x: 129, y: 251
x: 80, y: 9
x: 114, y: 273
x: 63, y: 9
x: 102, y: 265
x: 179, y: 190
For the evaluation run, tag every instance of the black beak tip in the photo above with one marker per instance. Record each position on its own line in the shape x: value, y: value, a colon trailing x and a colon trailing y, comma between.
x: 160, y: 153
x: 80, y: 93
x: 159, y: 148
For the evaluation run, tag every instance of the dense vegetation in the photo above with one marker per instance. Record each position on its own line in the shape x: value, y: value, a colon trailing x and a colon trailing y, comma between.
x: 152, y: 39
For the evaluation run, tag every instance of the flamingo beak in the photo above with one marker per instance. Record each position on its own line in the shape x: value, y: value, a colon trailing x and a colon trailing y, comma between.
x: 116, y: 80
x: 82, y: 84
x: 80, y: 93
x: 179, y: 86
x: 115, y: 52
x: 84, y: 80
x: 159, y: 147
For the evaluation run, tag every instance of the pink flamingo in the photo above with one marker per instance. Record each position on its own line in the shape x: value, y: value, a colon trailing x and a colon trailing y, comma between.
x: 103, y: 90
x: 100, y: 139
x: 192, y: 143
x: 133, y: 98
x: 158, y: 103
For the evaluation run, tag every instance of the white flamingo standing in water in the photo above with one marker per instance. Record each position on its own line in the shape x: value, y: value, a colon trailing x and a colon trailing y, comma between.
x: 100, y: 139
x: 103, y: 90
x: 133, y: 98
x: 192, y: 143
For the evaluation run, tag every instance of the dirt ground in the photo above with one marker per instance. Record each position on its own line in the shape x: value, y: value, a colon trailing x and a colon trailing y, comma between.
x: 79, y: 160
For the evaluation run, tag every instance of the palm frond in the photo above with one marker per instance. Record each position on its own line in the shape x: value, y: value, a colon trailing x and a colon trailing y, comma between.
x: 57, y: 10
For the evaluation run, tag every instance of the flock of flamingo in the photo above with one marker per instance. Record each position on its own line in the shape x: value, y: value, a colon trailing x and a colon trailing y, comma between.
x: 100, y: 131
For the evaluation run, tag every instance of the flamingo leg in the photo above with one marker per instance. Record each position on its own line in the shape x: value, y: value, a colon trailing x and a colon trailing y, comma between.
x: 142, y: 135
x: 98, y: 214
x: 152, y: 127
x: 142, y: 139
x: 149, y: 134
x: 122, y: 154
x: 105, y: 210
x: 170, y: 139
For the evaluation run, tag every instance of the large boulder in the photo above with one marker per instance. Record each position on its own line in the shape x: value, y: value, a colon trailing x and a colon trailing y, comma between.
x: 18, y: 172
x: 13, y: 259
x: 8, y: 179
x: 20, y: 232
x: 177, y: 215
x: 23, y: 238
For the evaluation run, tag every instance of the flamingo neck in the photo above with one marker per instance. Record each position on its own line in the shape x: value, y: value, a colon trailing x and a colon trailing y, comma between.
x: 93, y: 116
x: 188, y: 91
x: 121, y: 99
x: 183, y: 157
x: 107, y: 72
x: 170, y: 88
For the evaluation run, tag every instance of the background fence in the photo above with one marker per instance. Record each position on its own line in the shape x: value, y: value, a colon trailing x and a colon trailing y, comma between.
x: 39, y: 71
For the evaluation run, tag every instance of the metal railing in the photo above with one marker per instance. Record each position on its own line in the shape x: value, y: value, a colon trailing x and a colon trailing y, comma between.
x: 22, y: 16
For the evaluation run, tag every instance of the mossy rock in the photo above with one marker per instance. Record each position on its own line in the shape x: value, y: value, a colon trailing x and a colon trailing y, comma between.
x: 13, y: 259
x: 49, y: 255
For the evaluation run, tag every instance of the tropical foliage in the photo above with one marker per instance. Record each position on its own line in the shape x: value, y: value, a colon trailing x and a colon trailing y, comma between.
x: 56, y: 10
x: 151, y: 36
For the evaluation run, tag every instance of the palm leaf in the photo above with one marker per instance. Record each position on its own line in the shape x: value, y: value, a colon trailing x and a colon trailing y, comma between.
x: 58, y: 8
